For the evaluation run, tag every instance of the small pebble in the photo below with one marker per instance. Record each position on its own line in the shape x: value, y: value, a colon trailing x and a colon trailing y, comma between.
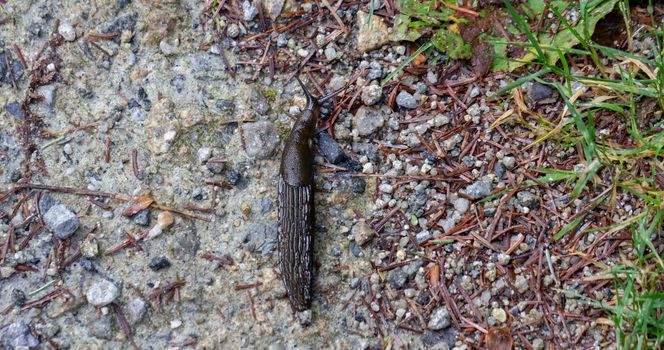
x: 440, y: 319
x: 67, y: 31
x: 158, y: 263
x: 362, y: 232
x: 102, y: 292
x: 406, y: 100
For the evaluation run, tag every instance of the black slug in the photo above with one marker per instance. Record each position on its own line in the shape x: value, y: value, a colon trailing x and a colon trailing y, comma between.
x: 296, y: 205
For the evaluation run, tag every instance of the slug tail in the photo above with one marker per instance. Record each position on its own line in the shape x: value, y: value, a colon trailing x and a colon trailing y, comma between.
x: 295, y: 242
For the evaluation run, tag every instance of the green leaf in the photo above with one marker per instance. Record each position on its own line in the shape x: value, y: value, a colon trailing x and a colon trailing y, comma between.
x: 546, y: 45
x: 451, y: 44
x: 402, y: 30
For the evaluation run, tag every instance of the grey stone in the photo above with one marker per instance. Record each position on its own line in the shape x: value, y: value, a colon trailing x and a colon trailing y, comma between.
x: 158, y: 263
x: 528, y: 199
x: 330, y: 149
x: 261, y: 237
x: 249, y: 11
x: 397, y: 278
x: 273, y: 8
x: 46, y: 202
x: 499, y: 169
x: 14, y: 108
x: 18, y: 297
x: 367, y: 121
x: 142, y: 218
x: 406, y: 100
x: 412, y: 268
x: 102, y: 292
x: 48, y: 92
x: 371, y: 94
x: 276, y: 346
x: 177, y: 82
x: 233, y: 30
x: 18, y: 335
x: 509, y: 162
x: 261, y: 139
x: 478, y: 189
x: 330, y: 53
x: 461, y: 205
x: 185, y: 243
x: 362, y: 232
x: 540, y: 92
x: 61, y: 221
x: 101, y: 326
x: 138, y: 115
x: 136, y: 310
x: 423, y: 236
x: 67, y: 31
x: 439, y: 319
x: 370, y: 36
x: 304, y: 317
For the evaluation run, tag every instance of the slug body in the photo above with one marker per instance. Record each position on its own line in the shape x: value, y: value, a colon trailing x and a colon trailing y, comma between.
x: 296, y: 205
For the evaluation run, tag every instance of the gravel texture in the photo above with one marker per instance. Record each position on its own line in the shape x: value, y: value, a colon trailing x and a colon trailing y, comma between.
x: 139, y: 103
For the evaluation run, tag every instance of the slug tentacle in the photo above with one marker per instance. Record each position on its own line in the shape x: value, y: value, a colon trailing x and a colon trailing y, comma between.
x: 296, y: 204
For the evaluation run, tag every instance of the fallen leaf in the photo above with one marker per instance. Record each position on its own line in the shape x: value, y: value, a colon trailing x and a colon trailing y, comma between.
x: 498, y: 339
x: 137, y: 204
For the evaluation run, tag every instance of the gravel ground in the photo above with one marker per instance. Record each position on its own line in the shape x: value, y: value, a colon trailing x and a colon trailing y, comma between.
x: 140, y: 113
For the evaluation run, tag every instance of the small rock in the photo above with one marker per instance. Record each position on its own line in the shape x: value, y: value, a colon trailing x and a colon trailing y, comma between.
x: 276, y: 346
x: 330, y: 149
x: 303, y: 53
x: 478, y: 189
x: 367, y: 121
x: 406, y: 100
x: 14, y: 108
x: 46, y: 202
x: 397, y: 278
x: 215, y: 167
x: 169, y: 46
x: 204, y: 154
x: 165, y: 219
x: 461, y: 205
x: 249, y: 11
x: 67, y: 31
x: 440, y: 319
x: 509, y: 162
x: 136, y: 310
x: 273, y: 8
x: 233, y: 30
x: 499, y: 314
x: 540, y: 92
x: 372, y: 35
x: 18, y: 336
x: 362, y: 232
x: 158, y: 263
x: 371, y: 94
x: 261, y: 139
x: 89, y: 247
x: 304, y: 317
x: 102, y: 292
x: 521, y: 284
x: 330, y: 53
x: 18, y: 297
x: 528, y: 199
x: 503, y: 259
x: 142, y: 218
x: 61, y: 221
x: 423, y: 236
x: 48, y: 92
x: 176, y: 323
